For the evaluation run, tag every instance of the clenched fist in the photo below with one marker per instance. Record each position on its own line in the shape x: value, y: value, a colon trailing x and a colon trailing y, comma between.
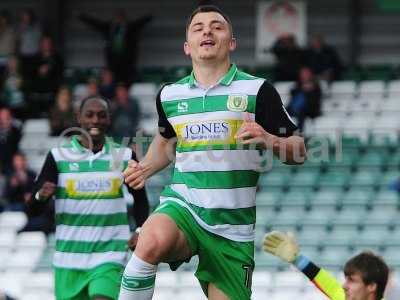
x: 134, y: 175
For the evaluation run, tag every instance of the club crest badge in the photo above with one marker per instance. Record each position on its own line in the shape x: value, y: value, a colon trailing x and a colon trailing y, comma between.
x: 237, y: 102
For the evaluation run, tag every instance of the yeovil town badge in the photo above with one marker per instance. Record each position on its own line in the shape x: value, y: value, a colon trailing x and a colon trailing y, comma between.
x: 237, y: 102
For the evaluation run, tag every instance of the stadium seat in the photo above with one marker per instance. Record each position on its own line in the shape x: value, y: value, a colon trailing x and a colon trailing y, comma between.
x: 386, y: 197
x: 376, y: 235
x: 31, y: 240
x: 333, y: 256
x: 358, y: 125
x: 325, y: 197
x: 371, y: 88
x: 310, y: 236
x: 5, y: 254
x: 305, y: 178
x: 349, y: 216
x: 35, y: 126
x: 7, y: 240
x: 275, y: 178
x: 291, y: 279
x: 355, y: 197
x: 393, y: 88
x: 392, y: 256
x: 294, y: 199
x: 38, y: 296
x: 386, y: 126
x: 335, y: 107
x: 343, y: 89
x: 362, y: 105
x: 23, y: 259
x: 12, y: 221
x: 267, y: 198
x: 39, y: 282
x: 285, y: 295
x: 283, y: 89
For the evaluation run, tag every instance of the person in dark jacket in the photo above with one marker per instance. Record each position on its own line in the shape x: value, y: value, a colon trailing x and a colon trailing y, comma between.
x: 122, y: 39
x: 305, y: 99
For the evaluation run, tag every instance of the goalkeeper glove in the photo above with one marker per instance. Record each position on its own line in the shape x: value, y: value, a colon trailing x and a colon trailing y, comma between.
x: 282, y: 245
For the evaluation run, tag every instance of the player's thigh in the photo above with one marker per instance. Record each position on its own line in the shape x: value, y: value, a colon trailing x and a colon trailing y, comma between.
x: 215, y: 294
x: 161, y: 240
x: 231, y: 270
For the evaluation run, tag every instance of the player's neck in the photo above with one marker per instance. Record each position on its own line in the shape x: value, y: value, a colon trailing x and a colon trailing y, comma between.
x: 208, y: 74
x: 97, y: 144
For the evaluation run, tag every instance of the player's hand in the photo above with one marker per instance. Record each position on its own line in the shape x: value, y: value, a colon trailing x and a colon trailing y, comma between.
x: 134, y: 175
x: 48, y: 189
x: 282, y: 245
x: 252, y: 133
x: 133, y: 241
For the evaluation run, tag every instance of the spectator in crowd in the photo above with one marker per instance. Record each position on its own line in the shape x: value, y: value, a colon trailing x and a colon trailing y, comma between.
x: 62, y: 114
x: 48, y: 74
x: 107, y: 84
x: 122, y: 39
x: 28, y: 39
x: 305, y: 99
x: 126, y: 114
x: 92, y: 87
x: 289, y: 56
x: 10, y: 136
x: 12, y: 95
x: 7, y: 39
x: 323, y: 59
x: 19, y: 183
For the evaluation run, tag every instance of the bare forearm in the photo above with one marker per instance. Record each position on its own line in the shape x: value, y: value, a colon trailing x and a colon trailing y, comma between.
x: 159, y: 155
x: 291, y: 150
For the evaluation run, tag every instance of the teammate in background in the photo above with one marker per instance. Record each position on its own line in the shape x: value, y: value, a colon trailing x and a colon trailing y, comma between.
x: 216, y: 115
x: 92, y: 230
x: 366, y: 274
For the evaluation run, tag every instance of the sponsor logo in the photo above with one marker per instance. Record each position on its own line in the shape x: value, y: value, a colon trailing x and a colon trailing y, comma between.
x: 86, y: 187
x: 215, y: 130
x: 237, y: 102
x: 183, y: 107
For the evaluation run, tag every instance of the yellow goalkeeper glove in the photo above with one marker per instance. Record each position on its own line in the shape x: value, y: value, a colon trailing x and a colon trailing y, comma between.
x: 282, y: 245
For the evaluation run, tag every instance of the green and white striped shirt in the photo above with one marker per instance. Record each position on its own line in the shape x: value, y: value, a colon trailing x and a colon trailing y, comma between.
x: 91, y: 214
x: 215, y: 178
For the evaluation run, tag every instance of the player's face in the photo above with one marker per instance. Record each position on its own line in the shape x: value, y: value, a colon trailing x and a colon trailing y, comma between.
x: 95, y: 118
x: 356, y: 289
x: 209, y: 37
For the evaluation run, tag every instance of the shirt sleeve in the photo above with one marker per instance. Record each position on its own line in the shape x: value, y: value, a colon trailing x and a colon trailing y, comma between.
x: 164, y: 126
x: 140, y: 209
x: 271, y: 114
x: 321, y: 278
x: 49, y: 172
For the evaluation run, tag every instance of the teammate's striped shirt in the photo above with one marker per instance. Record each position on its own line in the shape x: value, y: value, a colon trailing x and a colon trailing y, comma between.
x: 91, y: 213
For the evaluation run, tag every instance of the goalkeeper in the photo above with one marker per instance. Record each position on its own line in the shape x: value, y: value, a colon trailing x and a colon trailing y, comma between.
x: 366, y: 274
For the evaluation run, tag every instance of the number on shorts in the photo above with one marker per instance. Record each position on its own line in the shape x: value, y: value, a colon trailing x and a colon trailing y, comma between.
x: 248, y: 275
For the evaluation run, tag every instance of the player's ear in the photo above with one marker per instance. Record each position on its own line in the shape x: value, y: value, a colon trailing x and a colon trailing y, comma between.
x: 186, y: 48
x: 232, y: 44
x: 371, y: 287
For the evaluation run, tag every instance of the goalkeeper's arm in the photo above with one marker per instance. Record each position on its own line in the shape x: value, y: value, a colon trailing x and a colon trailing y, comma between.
x: 284, y: 246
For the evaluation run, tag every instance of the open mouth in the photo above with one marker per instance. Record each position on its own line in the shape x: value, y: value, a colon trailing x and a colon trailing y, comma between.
x: 207, y: 43
x: 94, y: 131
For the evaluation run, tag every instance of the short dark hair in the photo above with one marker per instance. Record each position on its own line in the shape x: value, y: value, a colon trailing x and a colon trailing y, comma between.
x: 96, y: 97
x: 372, y: 268
x: 205, y: 9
